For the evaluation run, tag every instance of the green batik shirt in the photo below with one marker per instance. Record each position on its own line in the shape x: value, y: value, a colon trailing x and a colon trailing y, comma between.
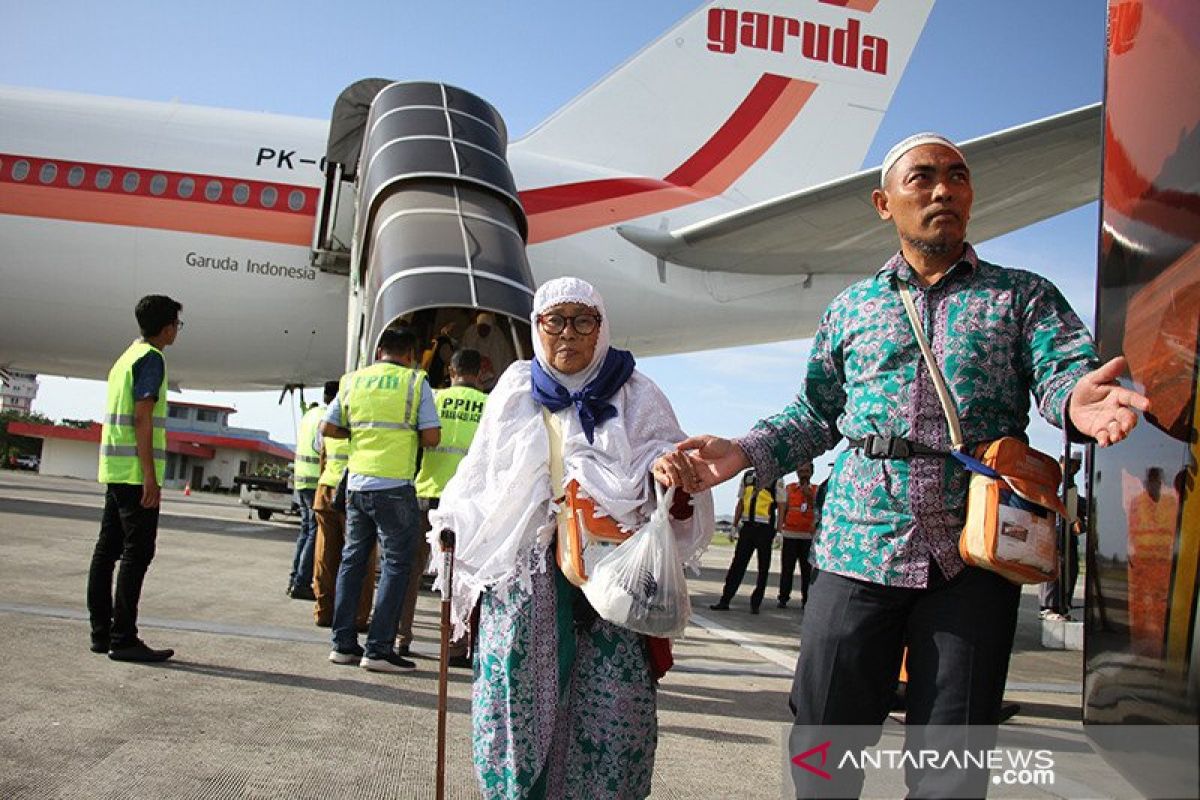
x: 997, y: 334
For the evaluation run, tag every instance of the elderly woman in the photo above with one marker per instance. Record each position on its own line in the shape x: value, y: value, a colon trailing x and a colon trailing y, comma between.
x: 564, y: 702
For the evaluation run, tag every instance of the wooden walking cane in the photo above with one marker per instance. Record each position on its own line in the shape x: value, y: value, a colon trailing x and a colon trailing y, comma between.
x: 447, y: 539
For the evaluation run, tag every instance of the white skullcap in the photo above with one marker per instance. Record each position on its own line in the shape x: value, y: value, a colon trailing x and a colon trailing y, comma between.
x: 570, y: 290
x: 916, y: 140
x: 566, y: 290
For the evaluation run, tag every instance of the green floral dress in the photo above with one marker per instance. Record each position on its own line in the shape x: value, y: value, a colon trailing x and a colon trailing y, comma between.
x: 560, y: 709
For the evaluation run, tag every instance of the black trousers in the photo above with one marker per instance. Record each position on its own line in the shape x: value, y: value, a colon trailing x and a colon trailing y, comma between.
x: 791, y: 552
x: 127, y: 534
x: 959, y: 635
x: 753, y: 537
x: 1048, y: 592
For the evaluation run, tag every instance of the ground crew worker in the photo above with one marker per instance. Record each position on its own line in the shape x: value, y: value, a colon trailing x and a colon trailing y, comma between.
x: 387, y: 412
x: 133, y: 459
x: 306, y: 470
x: 756, y: 512
x: 331, y: 530
x: 460, y: 408
x: 797, y: 523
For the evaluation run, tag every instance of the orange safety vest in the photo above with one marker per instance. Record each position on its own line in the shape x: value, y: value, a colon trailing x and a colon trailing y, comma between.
x: 799, y: 515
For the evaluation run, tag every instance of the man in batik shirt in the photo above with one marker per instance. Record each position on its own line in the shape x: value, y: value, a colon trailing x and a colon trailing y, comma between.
x: 889, y: 571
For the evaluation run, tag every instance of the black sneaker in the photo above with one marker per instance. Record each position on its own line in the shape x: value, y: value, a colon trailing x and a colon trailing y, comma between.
x: 300, y: 592
x: 463, y: 662
x: 402, y: 649
x: 140, y: 652
x: 99, y: 644
x: 389, y: 663
x: 720, y: 606
x: 350, y: 656
x: 781, y: 603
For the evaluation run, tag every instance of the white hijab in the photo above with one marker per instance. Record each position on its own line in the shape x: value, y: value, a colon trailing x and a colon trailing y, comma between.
x: 500, y: 503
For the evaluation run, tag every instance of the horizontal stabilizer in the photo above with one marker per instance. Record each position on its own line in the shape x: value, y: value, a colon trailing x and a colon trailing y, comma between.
x: 1021, y: 176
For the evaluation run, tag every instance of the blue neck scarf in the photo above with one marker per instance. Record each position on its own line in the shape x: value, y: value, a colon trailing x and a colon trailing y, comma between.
x: 589, y: 401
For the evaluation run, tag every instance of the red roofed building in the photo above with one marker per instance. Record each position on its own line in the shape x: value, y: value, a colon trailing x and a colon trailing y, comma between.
x: 202, y: 449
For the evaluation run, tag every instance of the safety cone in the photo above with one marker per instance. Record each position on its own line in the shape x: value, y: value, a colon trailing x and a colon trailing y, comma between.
x: 187, y: 489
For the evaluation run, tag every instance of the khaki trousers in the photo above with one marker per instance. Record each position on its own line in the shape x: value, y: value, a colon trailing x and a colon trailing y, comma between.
x: 327, y: 557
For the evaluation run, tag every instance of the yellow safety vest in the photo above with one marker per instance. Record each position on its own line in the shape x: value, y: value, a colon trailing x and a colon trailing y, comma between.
x: 337, y: 453
x: 118, y: 441
x: 306, y: 469
x: 756, y: 504
x: 460, y: 409
x: 380, y: 405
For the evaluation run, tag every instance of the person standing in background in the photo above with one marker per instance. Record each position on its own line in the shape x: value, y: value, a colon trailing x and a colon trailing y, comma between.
x: 797, y: 524
x: 306, y: 471
x: 386, y: 410
x: 495, y: 351
x: 331, y: 530
x: 460, y: 408
x: 755, y: 512
x: 133, y: 460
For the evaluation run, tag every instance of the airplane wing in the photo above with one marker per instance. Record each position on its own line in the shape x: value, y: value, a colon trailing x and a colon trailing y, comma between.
x: 1021, y: 175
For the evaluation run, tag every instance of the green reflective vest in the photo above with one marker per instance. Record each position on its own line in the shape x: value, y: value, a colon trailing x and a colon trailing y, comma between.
x: 118, y: 442
x: 306, y: 469
x: 459, y: 408
x: 380, y: 406
x: 337, y: 453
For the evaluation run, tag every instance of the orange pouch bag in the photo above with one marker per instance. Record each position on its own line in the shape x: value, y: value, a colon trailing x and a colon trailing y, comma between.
x: 1012, y: 503
x: 583, y: 536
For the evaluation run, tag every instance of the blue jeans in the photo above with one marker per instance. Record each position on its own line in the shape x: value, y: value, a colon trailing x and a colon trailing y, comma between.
x: 389, y: 515
x: 302, y: 561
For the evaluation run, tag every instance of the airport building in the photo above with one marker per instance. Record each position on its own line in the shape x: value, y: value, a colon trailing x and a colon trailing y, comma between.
x: 17, y: 390
x: 203, y: 450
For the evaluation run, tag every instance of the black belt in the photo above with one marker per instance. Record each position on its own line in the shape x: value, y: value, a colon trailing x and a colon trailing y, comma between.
x: 875, y: 446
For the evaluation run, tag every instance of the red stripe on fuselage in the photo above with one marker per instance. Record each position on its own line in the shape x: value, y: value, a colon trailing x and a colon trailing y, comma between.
x: 80, y: 191
x: 753, y: 127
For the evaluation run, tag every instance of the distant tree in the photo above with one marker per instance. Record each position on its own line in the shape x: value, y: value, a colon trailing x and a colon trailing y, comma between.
x: 81, y: 424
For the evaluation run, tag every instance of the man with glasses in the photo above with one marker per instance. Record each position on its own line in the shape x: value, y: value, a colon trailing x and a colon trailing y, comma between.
x: 133, y: 453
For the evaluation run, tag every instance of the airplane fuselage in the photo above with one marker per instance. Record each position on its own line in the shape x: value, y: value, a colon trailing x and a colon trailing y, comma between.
x: 105, y: 200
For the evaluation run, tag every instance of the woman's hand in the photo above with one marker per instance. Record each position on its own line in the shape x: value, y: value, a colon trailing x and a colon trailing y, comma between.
x: 699, y: 463
x: 675, y: 469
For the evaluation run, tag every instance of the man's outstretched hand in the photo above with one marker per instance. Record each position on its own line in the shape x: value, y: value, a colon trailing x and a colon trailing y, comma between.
x: 699, y: 463
x: 1101, y: 408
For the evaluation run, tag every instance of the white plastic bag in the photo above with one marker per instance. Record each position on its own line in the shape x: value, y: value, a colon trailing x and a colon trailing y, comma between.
x: 639, y: 583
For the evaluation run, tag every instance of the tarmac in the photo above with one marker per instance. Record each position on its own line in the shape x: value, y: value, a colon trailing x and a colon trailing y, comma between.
x: 250, y: 707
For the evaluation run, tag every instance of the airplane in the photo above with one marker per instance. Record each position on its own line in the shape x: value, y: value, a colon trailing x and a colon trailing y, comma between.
x: 709, y: 187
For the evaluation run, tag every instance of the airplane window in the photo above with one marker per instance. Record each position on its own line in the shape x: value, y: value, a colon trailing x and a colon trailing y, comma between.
x: 130, y: 182
x: 296, y: 200
x: 241, y: 193
x: 268, y: 197
x: 48, y: 173
x: 158, y: 184
x: 75, y: 175
x: 186, y: 187
x: 103, y: 178
x: 212, y: 191
x: 20, y: 170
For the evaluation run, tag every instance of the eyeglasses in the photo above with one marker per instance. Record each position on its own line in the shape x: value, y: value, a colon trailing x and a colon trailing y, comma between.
x: 555, y: 324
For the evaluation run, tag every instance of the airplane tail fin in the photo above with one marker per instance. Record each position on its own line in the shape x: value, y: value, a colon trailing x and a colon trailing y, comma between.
x: 743, y: 99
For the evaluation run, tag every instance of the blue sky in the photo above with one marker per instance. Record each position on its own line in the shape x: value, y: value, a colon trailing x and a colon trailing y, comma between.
x: 980, y: 66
